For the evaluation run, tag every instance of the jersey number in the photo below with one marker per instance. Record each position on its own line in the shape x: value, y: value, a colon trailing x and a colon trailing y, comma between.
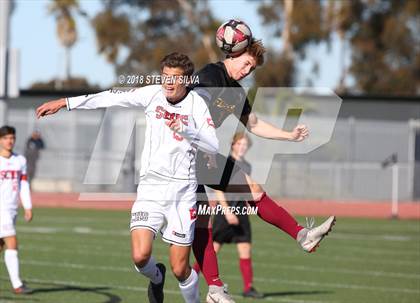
x: 177, y: 137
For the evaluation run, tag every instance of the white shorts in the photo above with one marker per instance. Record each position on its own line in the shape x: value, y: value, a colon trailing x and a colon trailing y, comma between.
x: 7, y: 223
x: 166, y: 207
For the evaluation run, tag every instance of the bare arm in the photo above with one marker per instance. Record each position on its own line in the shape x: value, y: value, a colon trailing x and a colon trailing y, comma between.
x: 266, y: 130
x: 221, y: 199
x: 50, y: 108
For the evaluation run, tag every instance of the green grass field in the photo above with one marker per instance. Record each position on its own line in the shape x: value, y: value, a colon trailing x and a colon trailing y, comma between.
x: 83, y: 256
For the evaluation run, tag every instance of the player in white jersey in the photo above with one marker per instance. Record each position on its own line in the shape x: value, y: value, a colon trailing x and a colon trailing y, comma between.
x: 13, y: 184
x: 178, y: 123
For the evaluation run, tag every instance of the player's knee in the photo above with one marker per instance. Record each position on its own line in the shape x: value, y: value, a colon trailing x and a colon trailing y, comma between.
x: 140, y: 258
x: 11, y: 243
x: 180, y: 270
x: 244, y: 250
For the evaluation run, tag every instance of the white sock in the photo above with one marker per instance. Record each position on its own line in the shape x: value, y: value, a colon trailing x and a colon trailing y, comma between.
x: 151, y: 271
x: 301, y: 234
x: 12, y: 264
x: 190, y: 288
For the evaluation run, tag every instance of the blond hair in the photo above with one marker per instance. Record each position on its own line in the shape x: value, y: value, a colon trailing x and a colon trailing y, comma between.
x: 241, y: 135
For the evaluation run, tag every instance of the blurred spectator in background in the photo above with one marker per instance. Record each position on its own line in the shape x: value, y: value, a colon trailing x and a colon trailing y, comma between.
x: 229, y: 227
x: 33, y: 145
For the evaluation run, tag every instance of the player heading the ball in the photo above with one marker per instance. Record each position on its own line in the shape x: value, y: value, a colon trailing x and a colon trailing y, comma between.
x: 178, y: 123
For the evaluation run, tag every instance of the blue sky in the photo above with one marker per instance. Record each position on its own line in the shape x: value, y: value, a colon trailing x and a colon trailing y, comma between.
x: 33, y: 32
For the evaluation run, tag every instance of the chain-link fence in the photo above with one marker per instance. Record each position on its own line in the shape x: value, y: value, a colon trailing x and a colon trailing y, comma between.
x: 348, y: 167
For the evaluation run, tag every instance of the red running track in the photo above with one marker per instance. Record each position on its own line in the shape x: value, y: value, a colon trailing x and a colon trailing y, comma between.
x: 359, y: 209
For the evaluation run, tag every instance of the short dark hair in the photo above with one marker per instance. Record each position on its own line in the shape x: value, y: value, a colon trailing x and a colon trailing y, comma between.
x: 178, y: 60
x: 7, y: 130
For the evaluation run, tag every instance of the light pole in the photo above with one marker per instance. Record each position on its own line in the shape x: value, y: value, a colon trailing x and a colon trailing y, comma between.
x: 392, y: 161
x: 5, y: 7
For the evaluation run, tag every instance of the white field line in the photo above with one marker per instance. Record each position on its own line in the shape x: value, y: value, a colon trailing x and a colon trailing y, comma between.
x: 264, y: 280
x: 171, y: 292
x: 415, y: 227
x: 346, y: 226
x: 83, y: 230
x: 100, y: 251
x: 78, y: 284
x: 379, y: 237
x: 397, y: 252
x: 343, y: 271
x: 339, y: 255
x: 334, y: 235
x: 379, y: 252
x: 125, y: 232
x: 258, y: 252
x: 78, y: 219
x: 327, y: 255
x: 229, y: 261
x: 74, y: 230
x: 257, y: 264
x: 364, y: 237
x: 332, y: 285
x: 361, y: 248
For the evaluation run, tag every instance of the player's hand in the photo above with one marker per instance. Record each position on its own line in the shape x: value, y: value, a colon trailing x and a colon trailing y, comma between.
x: 50, y: 108
x: 175, y: 125
x: 28, y: 215
x: 299, y: 133
x: 211, y: 160
x: 232, y: 219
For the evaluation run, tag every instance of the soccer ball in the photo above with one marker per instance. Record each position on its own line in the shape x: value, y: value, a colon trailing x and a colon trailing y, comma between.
x: 233, y: 36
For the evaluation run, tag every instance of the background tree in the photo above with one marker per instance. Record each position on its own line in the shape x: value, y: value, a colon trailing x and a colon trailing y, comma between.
x: 112, y: 33
x: 74, y: 83
x: 341, y: 17
x: 299, y: 24
x: 385, y: 45
x: 383, y: 38
x: 64, y: 11
x: 148, y: 30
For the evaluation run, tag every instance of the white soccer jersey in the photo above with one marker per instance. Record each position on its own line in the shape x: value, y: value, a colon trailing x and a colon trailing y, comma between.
x: 12, y: 177
x: 166, y: 153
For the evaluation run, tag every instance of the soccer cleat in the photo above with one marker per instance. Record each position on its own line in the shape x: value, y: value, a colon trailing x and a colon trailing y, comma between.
x: 309, y: 238
x: 22, y: 290
x: 155, y: 291
x: 218, y: 294
x: 252, y: 293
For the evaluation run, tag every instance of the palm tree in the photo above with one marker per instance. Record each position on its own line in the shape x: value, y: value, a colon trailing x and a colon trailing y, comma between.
x: 196, y: 17
x: 287, y: 17
x: 341, y: 16
x: 66, y: 26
